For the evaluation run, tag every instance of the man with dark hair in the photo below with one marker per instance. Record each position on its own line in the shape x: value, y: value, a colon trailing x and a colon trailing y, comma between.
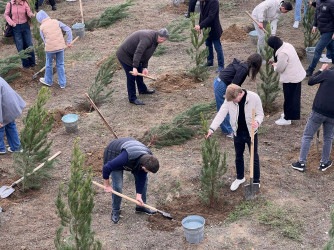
x: 133, y: 54
x: 130, y: 155
x: 268, y: 10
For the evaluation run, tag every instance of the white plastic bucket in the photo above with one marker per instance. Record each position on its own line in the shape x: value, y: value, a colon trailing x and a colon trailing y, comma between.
x: 310, y: 53
x: 253, y: 36
x: 79, y: 29
x: 193, y: 226
x: 71, y: 123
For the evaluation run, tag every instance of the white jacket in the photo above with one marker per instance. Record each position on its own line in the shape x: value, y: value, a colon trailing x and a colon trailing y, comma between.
x: 253, y: 101
x: 268, y: 10
x: 288, y: 64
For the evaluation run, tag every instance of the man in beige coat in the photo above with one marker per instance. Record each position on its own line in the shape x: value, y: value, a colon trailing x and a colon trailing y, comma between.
x: 268, y: 10
x: 239, y: 103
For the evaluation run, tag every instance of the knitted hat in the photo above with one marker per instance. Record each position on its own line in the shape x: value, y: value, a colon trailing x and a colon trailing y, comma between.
x: 163, y: 33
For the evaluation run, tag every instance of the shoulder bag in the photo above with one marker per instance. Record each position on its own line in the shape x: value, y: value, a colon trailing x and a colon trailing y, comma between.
x: 8, y: 30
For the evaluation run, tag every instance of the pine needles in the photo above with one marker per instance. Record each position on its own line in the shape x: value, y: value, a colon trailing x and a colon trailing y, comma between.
x: 310, y: 39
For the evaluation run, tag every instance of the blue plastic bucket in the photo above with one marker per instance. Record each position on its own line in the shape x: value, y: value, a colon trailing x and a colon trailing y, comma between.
x: 253, y: 36
x: 79, y: 29
x: 71, y: 123
x: 193, y: 226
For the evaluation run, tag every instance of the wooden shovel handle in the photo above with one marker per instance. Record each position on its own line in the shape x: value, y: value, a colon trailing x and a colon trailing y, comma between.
x: 35, y: 169
x: 252, y: 147
x: 125, y: 197
x: 256, y: 22
x: 140, y: 74
x: 81, y: 11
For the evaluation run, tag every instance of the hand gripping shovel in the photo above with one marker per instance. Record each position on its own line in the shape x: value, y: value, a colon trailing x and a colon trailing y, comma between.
x: 6, y: 191
x: 140, y: 74
x: 167, y: 215
x: 251, y: 189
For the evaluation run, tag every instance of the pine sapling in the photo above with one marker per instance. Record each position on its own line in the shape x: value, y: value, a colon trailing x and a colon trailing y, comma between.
x: 330, y: 243
x: 35, y: 143
x: 213, y: 167
x: 177, y: 28
x: 75, y: 206
x: 269, y: 88
x: 310, y: 39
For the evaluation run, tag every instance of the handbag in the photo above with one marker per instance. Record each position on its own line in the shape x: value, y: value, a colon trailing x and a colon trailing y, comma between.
x: 8, y: 30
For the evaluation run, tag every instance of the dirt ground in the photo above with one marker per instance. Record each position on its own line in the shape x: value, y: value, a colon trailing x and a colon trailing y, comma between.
x: 29, y: 221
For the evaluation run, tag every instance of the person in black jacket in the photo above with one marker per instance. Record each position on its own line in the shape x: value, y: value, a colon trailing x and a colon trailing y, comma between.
x: 324, y: 21
x: 209, y: 18
x: 322, y: 114
x: 130, y: 155
x: 236, y: 73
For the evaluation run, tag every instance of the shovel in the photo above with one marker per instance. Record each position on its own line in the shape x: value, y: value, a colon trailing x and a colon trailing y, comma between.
x: 42, y: 69
x: 251, y: 189
x: 140, y: 74
x: 6, y: 191
x: 167, y: 215
x: 257, y: 23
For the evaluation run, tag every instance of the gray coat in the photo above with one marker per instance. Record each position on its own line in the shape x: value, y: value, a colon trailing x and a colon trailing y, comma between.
x: 11, y: 104
x: 138, y: 48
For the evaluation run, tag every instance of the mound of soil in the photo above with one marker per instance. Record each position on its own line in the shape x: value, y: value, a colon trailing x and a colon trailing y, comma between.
x: 94, y: 159
x: 170, y: 8
x: 26, y: 78
x: 169, y: 83
x: 183, y: 206
x: 234, y: 33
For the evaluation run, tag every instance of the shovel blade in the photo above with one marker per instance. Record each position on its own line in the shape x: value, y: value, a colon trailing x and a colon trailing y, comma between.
x: 6, y: 191
x: 251, y: 190
x: 167, y: 215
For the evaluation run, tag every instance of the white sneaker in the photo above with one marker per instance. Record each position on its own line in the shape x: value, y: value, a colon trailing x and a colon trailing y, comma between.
x: 9, y: 150
x: 325, y: 60
x: 42, y: 80
x: 296, y: 24
x: 282, y: 121
x: 237, y: 183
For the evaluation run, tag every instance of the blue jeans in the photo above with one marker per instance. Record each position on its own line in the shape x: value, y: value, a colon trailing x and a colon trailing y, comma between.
x: 298, y: 8
x: 117, y: 185
x: 23, y: 40
x: 60, y: 67
x: 220, y: 90
x: 12, y: 137
x: 313, y: 124
x: 324, y: 42
x: 240, y: 140
x: 131, y: 81
x: 219, y: 50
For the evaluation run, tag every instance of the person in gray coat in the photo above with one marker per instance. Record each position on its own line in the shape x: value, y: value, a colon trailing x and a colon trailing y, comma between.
x: 133, y: 54
x: 11, y: 106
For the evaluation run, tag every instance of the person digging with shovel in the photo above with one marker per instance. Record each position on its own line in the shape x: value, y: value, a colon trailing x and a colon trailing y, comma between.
x: 239, y: 103
x: 130, y: 155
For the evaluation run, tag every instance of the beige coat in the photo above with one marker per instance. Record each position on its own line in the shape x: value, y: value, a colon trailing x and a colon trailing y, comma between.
x: 253, y: 101
x: 288, y: 64
x: 268, y: 10
x: 53, y: 35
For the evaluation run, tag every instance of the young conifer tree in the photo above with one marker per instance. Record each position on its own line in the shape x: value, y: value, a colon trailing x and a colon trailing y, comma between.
x: 330, y: 243
x: 310, y: 39
x: 269, y: 88
x: 35, y: 143
x: 198, y: 55
x: 75, y: 214
x: 213, y: 167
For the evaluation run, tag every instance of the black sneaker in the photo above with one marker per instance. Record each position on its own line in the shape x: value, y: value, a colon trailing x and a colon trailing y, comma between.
x: 309, y: 73
x: 299, y: 166
x: 54, y: 7
x: 324, y: 166
x: 144, y: 210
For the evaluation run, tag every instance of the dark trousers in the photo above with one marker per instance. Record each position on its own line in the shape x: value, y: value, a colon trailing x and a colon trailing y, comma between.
x: 131, y: 81
x: 23, y: 40
x: 192, y: 4
x: 240, y: 140
x: 292, y: 92
x: 40, y: 2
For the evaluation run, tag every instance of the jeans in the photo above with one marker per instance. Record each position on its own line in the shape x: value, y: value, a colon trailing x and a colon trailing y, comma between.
x: 131, y: 81
x: 220, y: 90
x: 60, y: 67
x: 219, y: 50
x: 12, y: 137
x: 23, y: 40
x: 324, y: 42
x: 239, y: 145
x: 298, y: 8
x: 117, y: 185
x: 313, y: 124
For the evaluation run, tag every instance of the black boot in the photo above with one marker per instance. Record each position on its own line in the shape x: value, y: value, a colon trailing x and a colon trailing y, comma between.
x: 115, y: 216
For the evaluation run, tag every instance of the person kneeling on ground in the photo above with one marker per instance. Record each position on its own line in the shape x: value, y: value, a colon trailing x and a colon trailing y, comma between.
x: 322, y: 114
x: 239, y: 104
x: 51, y: 33
x: 130, y: 155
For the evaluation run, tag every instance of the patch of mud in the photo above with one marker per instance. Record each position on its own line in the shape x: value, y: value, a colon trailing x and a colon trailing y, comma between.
x: 169, y: 83
x: 234, y: 33
x: 94, y: 159
x: 25, y: 79
x: 170, y: 8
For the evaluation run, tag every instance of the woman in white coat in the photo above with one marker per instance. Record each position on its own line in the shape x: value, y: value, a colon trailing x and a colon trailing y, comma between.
x: 287, y: 64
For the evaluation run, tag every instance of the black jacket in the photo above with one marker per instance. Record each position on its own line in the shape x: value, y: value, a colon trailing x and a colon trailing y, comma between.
x: 324, y: 16
x: 210, y: 18
x: 324, y: 99
x: 236, y: 73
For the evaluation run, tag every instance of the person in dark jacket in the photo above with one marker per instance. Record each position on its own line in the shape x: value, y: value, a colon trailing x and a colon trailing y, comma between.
x: 209, y: 18
x: 134, y: 53
x: 130, y: 155
x: 236, y: 73
x: 322, y: 114
x: 39, y: 3
x: 324, y: 21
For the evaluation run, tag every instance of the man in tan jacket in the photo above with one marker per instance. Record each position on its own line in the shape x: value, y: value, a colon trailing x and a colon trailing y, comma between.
x: 239, y: 103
